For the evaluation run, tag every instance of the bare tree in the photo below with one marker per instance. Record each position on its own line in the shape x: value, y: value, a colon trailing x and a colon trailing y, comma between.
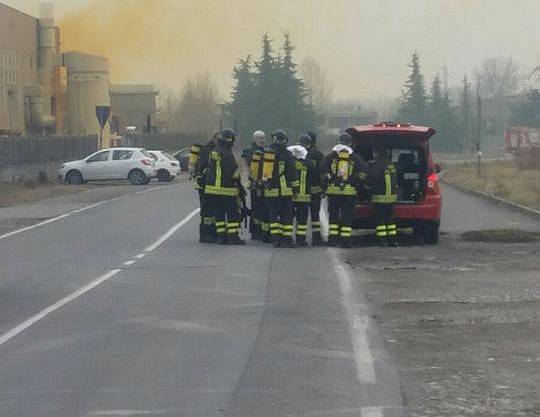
x: 499, y: 77
x: 318, y: 87
x: 196, y: 110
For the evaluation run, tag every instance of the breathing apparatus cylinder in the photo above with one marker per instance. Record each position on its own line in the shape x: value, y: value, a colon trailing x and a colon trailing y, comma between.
x: 255, y: 166
x: 268, y: 165
x: 194, y: 157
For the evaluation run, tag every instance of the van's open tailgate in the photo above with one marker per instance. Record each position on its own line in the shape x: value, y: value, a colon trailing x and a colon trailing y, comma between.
x: 390, y: 134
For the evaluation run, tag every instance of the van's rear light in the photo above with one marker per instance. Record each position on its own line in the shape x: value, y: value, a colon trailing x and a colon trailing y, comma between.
x: 433, y: 184
x: 146, y: 162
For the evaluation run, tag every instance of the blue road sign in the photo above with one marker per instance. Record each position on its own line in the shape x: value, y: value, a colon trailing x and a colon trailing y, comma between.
x: 103, y: 113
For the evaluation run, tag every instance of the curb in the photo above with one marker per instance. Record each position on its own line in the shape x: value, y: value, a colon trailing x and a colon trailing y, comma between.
x: 494, y: 199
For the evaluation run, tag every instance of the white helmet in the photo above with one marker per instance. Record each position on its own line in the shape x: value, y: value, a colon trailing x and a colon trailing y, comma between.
x: 259, y: 137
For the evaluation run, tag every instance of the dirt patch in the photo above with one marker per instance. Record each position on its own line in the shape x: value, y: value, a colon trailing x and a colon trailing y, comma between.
x: 30, y: 192
x: 500, y: 236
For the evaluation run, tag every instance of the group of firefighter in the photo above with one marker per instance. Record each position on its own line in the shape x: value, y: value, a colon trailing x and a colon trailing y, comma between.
x: 286, y: 187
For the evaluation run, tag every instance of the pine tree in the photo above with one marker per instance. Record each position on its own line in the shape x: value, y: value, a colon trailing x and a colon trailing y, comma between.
x: 269, y: 94
x: 241, y: 107
x: 442, y: 117
x: 414, y: 96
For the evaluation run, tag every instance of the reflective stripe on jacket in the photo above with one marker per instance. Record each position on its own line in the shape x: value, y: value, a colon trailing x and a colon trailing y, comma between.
x: 284, y: 177
x: 382, y: 180
x: 223, y: 176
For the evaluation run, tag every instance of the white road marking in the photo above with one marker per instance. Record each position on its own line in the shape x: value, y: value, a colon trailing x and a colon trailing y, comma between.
x: 63, y: 216
x: 129, y: 263
x: 372, y: 412
x: 131, y: 412
x: 172, y: 231
x: 359, y: 325
x: 10, y: 334
x: 140, y: 256
x: 53, y: 307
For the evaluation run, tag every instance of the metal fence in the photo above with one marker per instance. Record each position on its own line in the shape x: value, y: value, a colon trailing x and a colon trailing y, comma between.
x: 18, y: 150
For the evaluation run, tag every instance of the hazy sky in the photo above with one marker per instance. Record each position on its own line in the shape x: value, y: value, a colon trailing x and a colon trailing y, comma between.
x: 364, y: 45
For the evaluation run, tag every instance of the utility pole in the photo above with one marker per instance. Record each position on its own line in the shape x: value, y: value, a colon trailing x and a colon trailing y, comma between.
x: 478, y: 130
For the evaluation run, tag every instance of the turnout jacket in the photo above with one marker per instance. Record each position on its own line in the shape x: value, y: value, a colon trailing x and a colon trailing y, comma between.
x: 201, y: 168
x: 339, y: 183
x: 316, y: 157
x: 223, y: 177
x: 307, y: 174
x: 284, y: 181
x: 382, y: 181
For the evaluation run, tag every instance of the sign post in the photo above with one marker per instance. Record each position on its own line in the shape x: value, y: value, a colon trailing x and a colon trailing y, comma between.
x: 102, y: 113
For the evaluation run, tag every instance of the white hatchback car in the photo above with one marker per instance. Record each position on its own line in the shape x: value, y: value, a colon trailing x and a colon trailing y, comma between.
x: 167, y: 166
x: 133, y: 164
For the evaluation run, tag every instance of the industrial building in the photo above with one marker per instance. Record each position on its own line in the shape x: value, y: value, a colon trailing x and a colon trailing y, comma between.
x: 134, y: 107
x: 42, y: 90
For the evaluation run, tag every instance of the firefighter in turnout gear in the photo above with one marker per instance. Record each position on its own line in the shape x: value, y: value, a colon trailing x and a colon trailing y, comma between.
x: 223, y: 188
x: 315, y: 156
x: 382, y: 182
x: 306, y: 173
x: 198, y: 165
x: 280, y: 183
x: 343, y: 172
x: 254, y: 160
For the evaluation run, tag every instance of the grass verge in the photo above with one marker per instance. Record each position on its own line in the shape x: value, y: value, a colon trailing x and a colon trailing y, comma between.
x: 12, y: 194
x: 501, y: 179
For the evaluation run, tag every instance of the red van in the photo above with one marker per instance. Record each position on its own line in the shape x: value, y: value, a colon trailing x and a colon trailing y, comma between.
x: 419, y: 195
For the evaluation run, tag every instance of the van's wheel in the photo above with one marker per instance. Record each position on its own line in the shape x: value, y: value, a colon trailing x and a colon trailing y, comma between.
x: 74, y: 178
x: 164, y: 176
x: 430, y: 232
x: 137, y: 177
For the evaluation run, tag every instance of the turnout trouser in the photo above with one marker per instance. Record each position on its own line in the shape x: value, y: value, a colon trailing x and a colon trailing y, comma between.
x: 207, y: 228
x: 255, y: 223
x: 280, y: 215
x: 386, y: 230
x: 314, y: 211
x: 340, y: 213
x: 301, y: 211
x: 227, y: 215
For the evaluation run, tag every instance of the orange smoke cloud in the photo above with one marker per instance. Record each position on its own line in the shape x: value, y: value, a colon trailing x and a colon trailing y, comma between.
x: 166, y: 41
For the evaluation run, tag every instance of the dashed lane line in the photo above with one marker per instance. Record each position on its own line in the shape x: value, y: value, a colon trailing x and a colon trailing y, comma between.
x: 81, y: 210
x: 171, y: 231
x: 52, y: 308
x: 10, y: 334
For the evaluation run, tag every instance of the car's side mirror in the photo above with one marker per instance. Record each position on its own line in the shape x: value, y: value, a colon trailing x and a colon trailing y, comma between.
x: 438, y: 168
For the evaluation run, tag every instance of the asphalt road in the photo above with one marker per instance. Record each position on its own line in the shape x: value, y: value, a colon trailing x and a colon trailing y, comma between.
x: 110, y: 307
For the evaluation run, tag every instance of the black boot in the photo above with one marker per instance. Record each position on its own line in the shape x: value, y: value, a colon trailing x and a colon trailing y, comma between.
x: 333, y: 241
x: 301, y: 241
x: 222, y: 239
x: 287, y: 242
x: 235, y: 240
x: 276, y: 241
x: 346, y: 243
x: 316, y: 239
x: 382, y: 242
x: 207, y: 235
x: 392, y: 241
x: 201, y: 233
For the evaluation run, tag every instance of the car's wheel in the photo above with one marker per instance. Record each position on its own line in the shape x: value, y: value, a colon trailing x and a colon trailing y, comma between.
x: 74, y: 177
x: 164, y: 176
x: 430, y: 232
x: 137, y: 177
